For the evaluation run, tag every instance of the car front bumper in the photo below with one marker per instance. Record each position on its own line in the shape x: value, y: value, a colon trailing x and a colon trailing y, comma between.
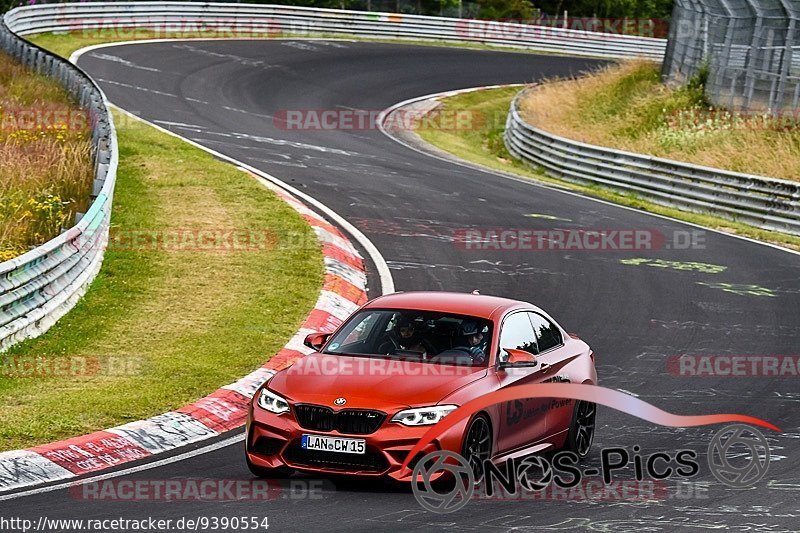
x: 273, y: 441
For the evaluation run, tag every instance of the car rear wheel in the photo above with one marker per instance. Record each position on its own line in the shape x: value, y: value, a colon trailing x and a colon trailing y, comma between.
x: 581, y: 429
x: 478, y: 445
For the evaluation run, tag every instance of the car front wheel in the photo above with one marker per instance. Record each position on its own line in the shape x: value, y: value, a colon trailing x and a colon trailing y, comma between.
x: 478, y: 445
x: 581, y: 429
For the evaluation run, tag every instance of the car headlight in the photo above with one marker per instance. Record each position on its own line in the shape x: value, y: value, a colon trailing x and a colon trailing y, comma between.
x: 423, y: 416
x: 272, y: 402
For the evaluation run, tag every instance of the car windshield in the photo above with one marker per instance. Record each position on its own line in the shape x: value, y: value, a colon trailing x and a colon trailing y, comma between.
x: 422, y: 336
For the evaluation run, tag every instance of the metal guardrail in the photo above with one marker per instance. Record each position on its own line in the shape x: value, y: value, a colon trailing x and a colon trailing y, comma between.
x: 760, y: 201
x: 40, y: 286
x: 182, y: 17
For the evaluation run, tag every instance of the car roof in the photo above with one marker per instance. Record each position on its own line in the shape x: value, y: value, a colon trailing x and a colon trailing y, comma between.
x: 459, y: 303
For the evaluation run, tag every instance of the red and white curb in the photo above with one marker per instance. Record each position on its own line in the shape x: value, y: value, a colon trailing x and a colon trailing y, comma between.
x: 343, y: 291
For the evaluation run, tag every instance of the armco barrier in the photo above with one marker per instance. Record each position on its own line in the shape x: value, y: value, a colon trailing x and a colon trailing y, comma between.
x: 39, y: 287
x: 181, y: 18
x: 760, y: 201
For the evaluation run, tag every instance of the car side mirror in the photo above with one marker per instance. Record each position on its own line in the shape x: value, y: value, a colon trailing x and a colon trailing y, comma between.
x: 317, y: 340
x: 518, y: 359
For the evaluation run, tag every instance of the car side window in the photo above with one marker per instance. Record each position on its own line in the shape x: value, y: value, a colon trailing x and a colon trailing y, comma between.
x: 547, y: 334
x: 517, y: 333
x: 362, y: 330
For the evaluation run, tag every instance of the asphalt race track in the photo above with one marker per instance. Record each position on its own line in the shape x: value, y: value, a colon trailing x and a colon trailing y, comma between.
x: 224, y: 95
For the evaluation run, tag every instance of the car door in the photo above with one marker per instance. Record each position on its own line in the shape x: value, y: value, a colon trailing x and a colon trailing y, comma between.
x: 553, y: 355
x: 522, y: 421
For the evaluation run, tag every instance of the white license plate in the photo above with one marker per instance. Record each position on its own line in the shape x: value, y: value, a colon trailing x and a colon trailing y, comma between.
x: 333, y: 444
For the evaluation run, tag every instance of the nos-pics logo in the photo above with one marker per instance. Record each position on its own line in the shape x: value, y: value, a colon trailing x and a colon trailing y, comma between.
x: 444, y: 481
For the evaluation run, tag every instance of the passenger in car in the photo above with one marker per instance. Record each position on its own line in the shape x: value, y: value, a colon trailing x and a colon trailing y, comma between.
x: 474, y: 340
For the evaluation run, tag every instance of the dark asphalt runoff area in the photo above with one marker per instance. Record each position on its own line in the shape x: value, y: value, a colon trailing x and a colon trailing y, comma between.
x: 637, y: 309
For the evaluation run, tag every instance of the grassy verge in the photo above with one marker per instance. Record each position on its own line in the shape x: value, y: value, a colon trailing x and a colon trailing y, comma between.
x: 45, y: 159
x: 168, y: 319
x: 627, y: 107
x: 484, y: 146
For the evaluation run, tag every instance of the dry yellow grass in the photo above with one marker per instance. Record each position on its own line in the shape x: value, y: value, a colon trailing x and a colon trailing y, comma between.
x: 626, y: 107
x: 45, y: 159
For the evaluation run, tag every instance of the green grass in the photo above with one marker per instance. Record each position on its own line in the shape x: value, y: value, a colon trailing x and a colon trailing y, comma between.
x: 626, y: 101
x: 627, y: 107
x: 186, y: 321
x: 617, y: 98
x: 484, y: 146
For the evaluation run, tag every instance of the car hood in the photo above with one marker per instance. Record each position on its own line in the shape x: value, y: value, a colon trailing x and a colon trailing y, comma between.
x: 370, y: 383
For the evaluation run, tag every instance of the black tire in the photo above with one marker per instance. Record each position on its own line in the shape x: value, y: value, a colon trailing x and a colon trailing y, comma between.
x: 581, y: 429
x: 477, y: 445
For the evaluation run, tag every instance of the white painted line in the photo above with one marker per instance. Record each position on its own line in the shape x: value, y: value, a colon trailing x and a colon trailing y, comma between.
x: 136, y: 87
x: 125, y: 62
x: 78, y: 53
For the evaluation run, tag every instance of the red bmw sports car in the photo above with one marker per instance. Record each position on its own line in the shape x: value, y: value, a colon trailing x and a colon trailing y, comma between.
x: 401, y: 363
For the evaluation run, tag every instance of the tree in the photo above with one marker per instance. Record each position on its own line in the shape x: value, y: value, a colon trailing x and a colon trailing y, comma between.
x: 506, y: 9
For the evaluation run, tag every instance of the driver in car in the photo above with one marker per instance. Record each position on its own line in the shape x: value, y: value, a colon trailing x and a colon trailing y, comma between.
x: 406, y: 337
x: 474, y: 341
